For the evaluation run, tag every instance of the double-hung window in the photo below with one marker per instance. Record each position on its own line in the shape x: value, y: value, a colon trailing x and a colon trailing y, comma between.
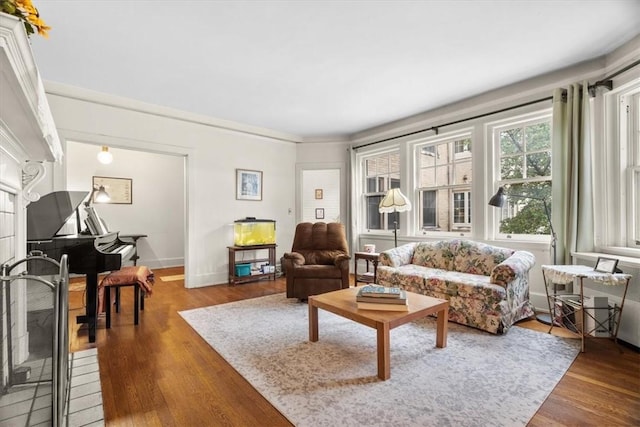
x: 444, y: 184
x: 628, y: 147
x: 524, y: 160
x: 381, y: 172
x: 634, y: 172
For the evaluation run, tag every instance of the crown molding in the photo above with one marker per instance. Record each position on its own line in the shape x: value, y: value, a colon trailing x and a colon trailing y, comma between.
x: 95, y: 97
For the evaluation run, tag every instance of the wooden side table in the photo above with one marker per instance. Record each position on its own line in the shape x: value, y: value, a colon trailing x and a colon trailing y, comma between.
x: 271, y: 259
x: 367, y: 276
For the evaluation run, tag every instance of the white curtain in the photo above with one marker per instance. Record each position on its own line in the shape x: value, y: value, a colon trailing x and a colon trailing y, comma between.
x: 572, y: 168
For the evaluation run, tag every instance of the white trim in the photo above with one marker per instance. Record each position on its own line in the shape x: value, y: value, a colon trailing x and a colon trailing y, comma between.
x: 98, y: 98
x: 24, y: 90
x: 613, y: 179
x: 190, y: 280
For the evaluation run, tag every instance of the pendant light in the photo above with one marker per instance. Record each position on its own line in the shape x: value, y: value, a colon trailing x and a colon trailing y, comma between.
x: 104, y: 156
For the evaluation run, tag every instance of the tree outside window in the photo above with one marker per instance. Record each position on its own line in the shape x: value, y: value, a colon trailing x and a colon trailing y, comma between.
x: 444, y: 183
x: 525, y: 171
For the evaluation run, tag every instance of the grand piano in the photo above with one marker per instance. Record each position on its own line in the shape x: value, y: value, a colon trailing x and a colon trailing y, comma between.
x: 88, y: 254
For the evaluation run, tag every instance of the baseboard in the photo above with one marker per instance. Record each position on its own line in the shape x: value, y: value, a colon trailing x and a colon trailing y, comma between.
x: 628, y: 345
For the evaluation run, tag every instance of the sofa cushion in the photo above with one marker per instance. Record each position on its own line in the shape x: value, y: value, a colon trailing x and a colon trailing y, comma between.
x: 434, y: 255
x: 432, y: 281
x: 478, y: 258
x: 408, y: 277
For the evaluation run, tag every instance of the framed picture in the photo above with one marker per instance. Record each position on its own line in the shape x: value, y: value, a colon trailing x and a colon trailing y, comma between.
x: 318, y: 193
x: 319, y: 213
x: 118, y: 189
x: 248, y: 184
x: 606, y: 265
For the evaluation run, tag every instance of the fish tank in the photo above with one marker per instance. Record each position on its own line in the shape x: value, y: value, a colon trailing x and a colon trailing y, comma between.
x: 251, y: 231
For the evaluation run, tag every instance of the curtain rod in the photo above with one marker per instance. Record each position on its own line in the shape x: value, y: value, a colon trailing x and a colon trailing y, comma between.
x: 606, y: 81
x: 455, y: 122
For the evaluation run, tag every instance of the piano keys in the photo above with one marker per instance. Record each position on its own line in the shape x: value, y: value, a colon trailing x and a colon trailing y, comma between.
x: 87, y: 254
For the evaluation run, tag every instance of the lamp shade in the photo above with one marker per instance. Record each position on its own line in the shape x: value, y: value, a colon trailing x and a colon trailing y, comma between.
x: 104, y: 156
x: 498, y: 199
x: 394, y: 201
x: 102, y: 196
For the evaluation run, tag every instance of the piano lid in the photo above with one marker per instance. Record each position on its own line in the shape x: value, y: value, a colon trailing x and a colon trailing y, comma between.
x: 47, y: 216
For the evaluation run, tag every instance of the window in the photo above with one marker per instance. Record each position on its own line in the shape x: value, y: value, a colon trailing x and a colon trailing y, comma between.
x: 632, y: 126
x: 429, y: 209
x: 462, y: 208
x: 524, y: 158
x: 382, y: 172
x: 444, y: 184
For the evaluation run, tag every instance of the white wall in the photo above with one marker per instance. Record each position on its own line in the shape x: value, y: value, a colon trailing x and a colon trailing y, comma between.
x: 212, y: 153
x: 158, y: 198
x: 324, y: 206
x: 314, y: 158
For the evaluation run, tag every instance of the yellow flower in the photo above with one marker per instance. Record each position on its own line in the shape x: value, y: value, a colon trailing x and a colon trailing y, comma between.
x: 27, y: 13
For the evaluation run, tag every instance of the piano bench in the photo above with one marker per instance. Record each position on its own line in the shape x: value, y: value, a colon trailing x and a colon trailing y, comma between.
x: 140, y: 277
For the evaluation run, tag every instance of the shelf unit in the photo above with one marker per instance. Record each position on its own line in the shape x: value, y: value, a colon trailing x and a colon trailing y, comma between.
x: 271, y: 259
x: 569, y: 311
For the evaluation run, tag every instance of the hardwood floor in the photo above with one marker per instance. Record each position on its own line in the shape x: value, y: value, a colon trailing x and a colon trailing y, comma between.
x: 161, y: 373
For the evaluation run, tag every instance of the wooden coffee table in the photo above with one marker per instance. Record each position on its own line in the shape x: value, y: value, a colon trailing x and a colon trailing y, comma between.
x: 343, y: 303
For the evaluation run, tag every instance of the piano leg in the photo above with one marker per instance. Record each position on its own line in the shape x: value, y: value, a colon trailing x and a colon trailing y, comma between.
x: 91, y: 315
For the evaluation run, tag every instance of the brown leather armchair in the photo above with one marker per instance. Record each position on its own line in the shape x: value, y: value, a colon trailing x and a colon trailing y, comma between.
x: 318, y: 261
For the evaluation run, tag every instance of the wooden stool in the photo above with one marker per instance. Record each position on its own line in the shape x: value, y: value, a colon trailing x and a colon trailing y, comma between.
x: 140, y: 277
x: 138, y: 301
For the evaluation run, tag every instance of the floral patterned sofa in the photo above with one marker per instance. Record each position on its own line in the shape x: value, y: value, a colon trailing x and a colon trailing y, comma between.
x: 487, y: 286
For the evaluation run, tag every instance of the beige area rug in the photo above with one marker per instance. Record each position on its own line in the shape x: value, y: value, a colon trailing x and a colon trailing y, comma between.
x: 172, y: 278
x: 478, y: 380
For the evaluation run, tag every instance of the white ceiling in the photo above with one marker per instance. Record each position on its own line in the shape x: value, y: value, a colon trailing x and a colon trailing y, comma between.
x: 319, y: 68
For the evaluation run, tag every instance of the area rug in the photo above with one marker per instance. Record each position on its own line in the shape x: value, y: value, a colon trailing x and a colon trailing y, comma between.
x: 479, y: 379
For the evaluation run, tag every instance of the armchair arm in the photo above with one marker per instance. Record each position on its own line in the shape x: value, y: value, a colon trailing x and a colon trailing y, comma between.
x: 398, y: 256
x: 294, y: 258
x: 342, y: 261
x: 517, y: 265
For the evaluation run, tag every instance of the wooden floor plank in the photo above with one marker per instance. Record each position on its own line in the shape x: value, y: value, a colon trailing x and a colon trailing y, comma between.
x: 162, y: 373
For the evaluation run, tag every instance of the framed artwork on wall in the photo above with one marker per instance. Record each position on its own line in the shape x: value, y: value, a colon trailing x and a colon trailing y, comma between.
x: 319, y: 213
x: 248, y: 184
x: 118, y: 189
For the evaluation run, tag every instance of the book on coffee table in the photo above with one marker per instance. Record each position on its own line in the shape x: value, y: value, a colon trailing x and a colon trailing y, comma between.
x: 376, y: 291
x: 382, y: 307
x: 401, y: 299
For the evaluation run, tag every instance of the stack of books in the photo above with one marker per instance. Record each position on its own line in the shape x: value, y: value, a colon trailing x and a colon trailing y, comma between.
x: 373, y: 297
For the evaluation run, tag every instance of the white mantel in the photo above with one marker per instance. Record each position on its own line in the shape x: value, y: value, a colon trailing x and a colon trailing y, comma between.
x: 25, y: 118
x: 28, y: 137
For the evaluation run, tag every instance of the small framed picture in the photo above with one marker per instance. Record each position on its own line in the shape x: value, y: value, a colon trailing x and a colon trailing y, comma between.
x: 319, y: 213
x: 318, y: 193
x: 248, y: 184
x: 606, y: 265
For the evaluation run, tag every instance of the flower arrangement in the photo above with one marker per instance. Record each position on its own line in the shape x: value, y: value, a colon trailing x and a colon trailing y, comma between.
x: 27, y: 13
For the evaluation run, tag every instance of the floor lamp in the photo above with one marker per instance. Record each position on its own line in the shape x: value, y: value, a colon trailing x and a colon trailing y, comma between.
x: 498, y: 201
x: 394, y: 201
